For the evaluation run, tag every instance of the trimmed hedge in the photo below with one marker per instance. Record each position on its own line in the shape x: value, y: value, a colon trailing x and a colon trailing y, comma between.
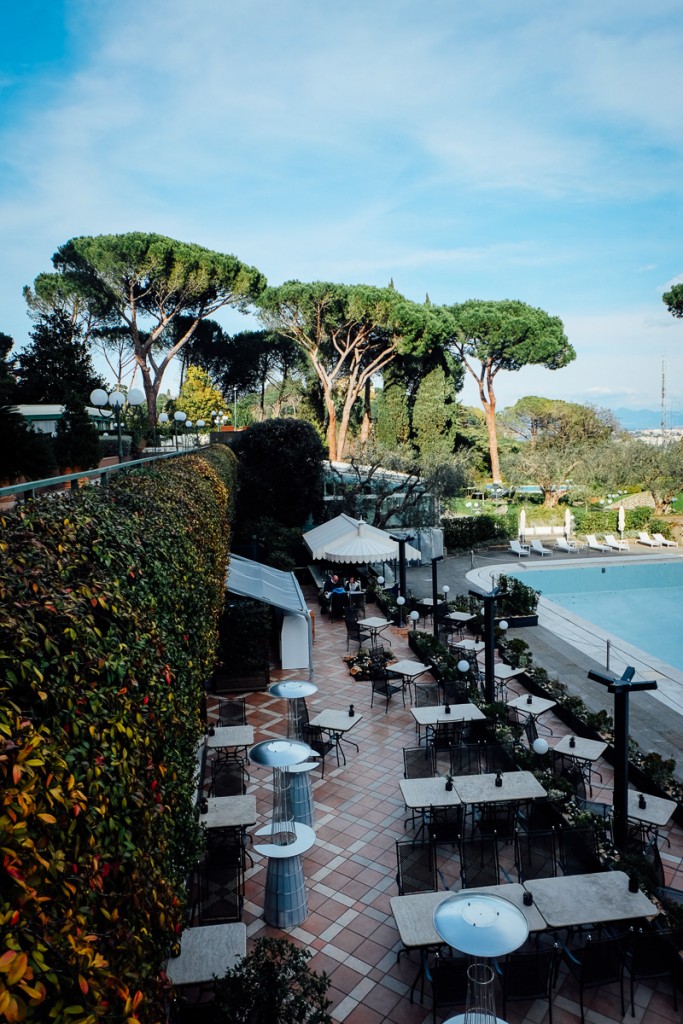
x: 109, y: 605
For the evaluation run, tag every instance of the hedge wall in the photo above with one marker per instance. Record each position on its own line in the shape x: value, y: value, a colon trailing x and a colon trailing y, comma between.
x: 109, y: 604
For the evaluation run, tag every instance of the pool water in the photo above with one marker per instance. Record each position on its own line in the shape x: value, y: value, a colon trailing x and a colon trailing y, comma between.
x: 642, y: 604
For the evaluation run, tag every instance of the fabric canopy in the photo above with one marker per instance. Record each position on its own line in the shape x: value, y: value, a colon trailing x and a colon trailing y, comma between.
x: 345, y: 539
x: 281, y: 590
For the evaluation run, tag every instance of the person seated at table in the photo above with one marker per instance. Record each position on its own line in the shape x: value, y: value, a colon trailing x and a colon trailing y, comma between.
x: 354, y: 585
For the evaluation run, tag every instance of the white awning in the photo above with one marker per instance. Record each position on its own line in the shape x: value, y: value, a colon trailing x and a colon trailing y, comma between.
x: 281, y: 590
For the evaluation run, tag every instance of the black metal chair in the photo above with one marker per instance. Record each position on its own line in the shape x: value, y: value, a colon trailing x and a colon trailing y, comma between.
x: 577, y: 846
x: 479, y: 863
x: 600, y: 962
x: 314, y: 736
x: 449, y: 982
x: 655, y: 953
x: 445, y: 824
x: 416, y: 867
x: 529, y: 975
x: 465, y: 759
x: 232, y: 711
x: 535, y: 854
x: 418, y: 763
x: 355, y: 632
x: 216, y: 890
x: 495, y: 758
x: 499, y: 819
x: 228, y: 778
x: 338, y: 605
x: 380, y: 684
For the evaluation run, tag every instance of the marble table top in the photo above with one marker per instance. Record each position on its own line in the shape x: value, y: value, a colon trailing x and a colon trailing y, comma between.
x: 229, y: 811
x: 657, y: 811
x: 406, y: 667
x: 460, y: 616
x: 469, y: 646
x: 482, y: 789
x: 231, y: 736
x: 571, y: 900
x: 374, y: 622
x: 584, y: 750
x: 502, y: 671
x: 207, y: 951
x: 429, y: 792
x: 433, y: 714
x: 537, y: 706
x: 336, y: 721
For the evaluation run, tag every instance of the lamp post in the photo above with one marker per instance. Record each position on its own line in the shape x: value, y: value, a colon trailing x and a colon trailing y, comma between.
x: 414, y: 618
x: 188, y: 426
x: 178, y: 419
x: 435, y: 593
x: 401, y: 541
x: 163, y: 419
x: 200, y: 424
x: 489, y: 601
x: 621, y: 688
x: 234, y: 407
x: 116, y: 401
x: 400, y: 601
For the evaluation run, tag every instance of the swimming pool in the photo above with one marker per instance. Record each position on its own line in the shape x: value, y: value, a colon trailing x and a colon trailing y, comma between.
x: 641, y: 604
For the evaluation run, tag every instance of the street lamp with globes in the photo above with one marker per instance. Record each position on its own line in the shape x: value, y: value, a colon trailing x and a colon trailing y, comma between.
x: 178, y: 420
x: 116, y: 401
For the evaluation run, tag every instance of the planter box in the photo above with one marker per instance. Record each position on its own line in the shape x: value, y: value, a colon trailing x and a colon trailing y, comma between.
x: 515, y: 621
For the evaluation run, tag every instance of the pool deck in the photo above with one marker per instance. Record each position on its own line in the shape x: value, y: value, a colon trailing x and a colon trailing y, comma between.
x: 568, y: 647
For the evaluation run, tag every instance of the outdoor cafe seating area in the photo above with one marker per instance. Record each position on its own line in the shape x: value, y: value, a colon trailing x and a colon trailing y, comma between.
x: 418, y: 803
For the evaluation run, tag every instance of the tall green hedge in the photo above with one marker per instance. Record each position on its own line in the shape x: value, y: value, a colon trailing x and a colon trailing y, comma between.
x: 109, y: 605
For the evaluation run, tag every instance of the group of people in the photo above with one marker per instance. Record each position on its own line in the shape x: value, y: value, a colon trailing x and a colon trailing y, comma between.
x: 333, y: 585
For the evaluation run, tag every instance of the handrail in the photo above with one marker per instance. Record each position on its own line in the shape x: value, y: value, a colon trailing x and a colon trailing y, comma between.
x: 99, y: 475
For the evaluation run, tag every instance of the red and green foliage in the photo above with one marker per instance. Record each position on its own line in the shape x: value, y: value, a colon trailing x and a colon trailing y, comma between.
x: 109, y: 604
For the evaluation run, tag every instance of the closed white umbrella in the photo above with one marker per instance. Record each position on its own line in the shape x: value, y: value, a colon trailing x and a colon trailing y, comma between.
x: 567, y: 523
x: 621, y: 520
x: 522, y: 524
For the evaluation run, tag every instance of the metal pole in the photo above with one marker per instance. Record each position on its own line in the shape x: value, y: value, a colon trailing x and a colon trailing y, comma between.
x: 234, y: 406
x: 117, y: 410
x: 435, y: 597
x: 620, y: 798
x: 608, y: 642
x: 489, y: 649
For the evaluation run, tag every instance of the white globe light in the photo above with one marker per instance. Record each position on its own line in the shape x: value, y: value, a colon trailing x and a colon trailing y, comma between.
x: 188, y: 423
x: 540, y: 746
x: 446, y: 588
x: 135, y: 396
x: 400, y: 600
x: 180, y: 417
x: 201, y: 423
x: 99, y: 397
x: 415, y: 616
x: 503, y: 624
x: 463, y: 666
x: 116, y: 399
x: 163, y: 417
x: 380, y: 580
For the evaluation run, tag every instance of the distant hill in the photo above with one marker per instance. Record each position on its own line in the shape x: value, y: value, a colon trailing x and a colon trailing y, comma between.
x: 646, y: 419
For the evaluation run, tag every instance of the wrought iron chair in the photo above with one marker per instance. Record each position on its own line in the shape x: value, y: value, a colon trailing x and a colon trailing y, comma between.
x: 479, y: 863
x: 529, y: 975
x: 380, y: 684
x: 418, y: 763
x: 578, y: 849
x: 655, y: 953
x: 449, y: 982
x: 217, y: 890
x: 232, y: 711
x: 465, y: 759
x: 535, y: 854
x: 600, y: 962
x: 228, y: 778
x: 355, y: 632
x: 416, y: 867
x: 314, y: 736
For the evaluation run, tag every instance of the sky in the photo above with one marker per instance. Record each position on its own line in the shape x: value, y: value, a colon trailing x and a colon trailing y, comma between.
x: 528, y: 151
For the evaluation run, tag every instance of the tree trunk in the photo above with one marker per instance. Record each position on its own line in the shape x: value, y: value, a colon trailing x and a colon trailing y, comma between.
x: 367, y: 415
x: 490, y: 411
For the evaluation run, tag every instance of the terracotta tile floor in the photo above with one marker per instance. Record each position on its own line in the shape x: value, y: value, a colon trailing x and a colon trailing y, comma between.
x: 350, y: 872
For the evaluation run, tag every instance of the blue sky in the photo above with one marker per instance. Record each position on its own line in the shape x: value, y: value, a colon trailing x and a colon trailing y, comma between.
x: 531, y: 151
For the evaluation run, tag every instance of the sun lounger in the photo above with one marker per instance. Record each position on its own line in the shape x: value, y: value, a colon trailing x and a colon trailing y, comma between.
x: 616, y: 545
x: 538, y: 548
x: 593, y: 544
x: 570, y: 547
x: 645, y: 538
x: 664, y: 541
x: 519, y: 549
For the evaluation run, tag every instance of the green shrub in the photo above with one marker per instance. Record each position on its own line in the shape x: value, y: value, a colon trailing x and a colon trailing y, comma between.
x: 109, y: 608
x: 464, y: 532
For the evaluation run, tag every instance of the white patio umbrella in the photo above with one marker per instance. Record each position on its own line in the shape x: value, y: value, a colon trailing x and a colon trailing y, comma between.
x: 567, y: 523
x: 521, y: 530
x: 362, y: 545
x: 621, y: 520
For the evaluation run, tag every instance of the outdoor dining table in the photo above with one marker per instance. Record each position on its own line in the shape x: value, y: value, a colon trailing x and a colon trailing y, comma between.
x: 225, y: 738
x: 336, y: 724
x: 583, y: 752
x: 482, y: 789
x: 428, y: 792
x: 410, y: 670
x: 657, y: 811
x: 375, y: 625
x: 431, y: 716
x: 533, y: 706
x: 229, y: 811
x: 469, y: 646
x: 568, y: 901
x: 207, y: 952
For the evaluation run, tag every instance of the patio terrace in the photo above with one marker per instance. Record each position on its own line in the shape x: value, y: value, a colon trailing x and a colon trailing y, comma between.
x: 351, y: 870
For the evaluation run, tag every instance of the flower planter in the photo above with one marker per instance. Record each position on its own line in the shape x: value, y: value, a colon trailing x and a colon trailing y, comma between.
x: 516, y: 621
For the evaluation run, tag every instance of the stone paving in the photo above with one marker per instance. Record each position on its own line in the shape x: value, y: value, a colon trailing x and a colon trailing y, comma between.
x: 351, y: 870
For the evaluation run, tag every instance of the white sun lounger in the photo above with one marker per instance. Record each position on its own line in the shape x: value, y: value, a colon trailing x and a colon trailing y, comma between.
x: 617, y: 545
x: 519, y: 549
x: 570, y: 547
x: 645, y: 538
x: 538, y: 548
x: 664, y: 541
x: 593, y: 543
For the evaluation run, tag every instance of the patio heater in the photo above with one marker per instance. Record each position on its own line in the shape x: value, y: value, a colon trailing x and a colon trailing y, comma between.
x: 295, y: 691
x: 286, y: 904
x: 483, y: 926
